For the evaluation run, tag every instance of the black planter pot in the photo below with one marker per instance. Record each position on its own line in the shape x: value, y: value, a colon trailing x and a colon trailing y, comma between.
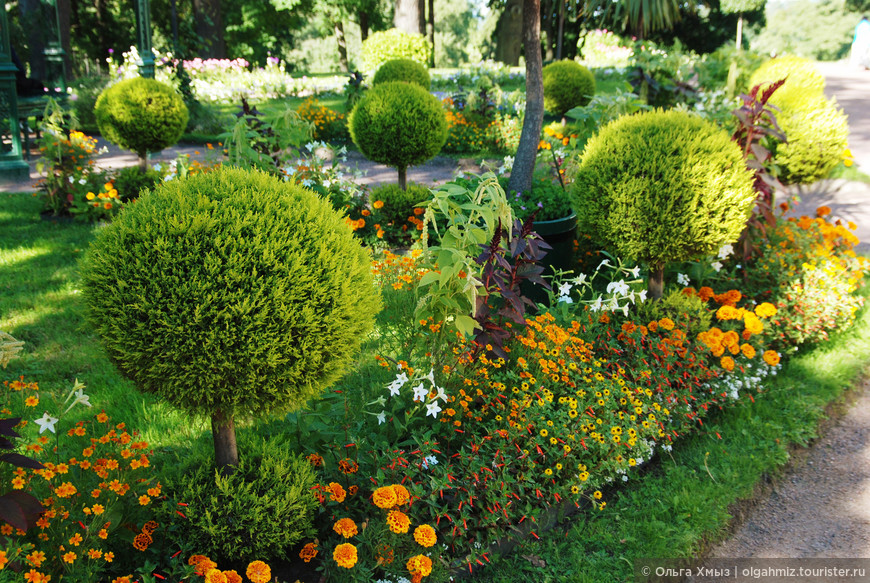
x: 560, y: 234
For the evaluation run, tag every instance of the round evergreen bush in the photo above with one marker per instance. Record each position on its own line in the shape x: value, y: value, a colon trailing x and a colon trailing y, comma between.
x: 817, y: 133
x: 129, y: 182
x: 662, y: 186
x: 403, y: 70
x: 398, y: 124
x: 399, y: 204
x: 567, y: 84
x: 230, y: 293
x: 257, y: 513
x: 801, y: 76
x: 142, y: 115
x: 385, y: 45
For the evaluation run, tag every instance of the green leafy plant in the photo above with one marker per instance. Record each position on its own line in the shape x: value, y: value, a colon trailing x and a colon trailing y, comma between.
x: 385, y: 45
x: 398, y: 124
x: 407, y: 70
x: 142, y: 115
x: 567, y: 84
x: 258, y: 512
x: 662, y: 186
x: 230, y: 293
x: 662, y: 78
x: 129, y: 182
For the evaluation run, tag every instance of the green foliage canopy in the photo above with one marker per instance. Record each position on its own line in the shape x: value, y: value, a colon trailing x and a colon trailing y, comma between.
x: 230, y: 290
x: 403, y: 70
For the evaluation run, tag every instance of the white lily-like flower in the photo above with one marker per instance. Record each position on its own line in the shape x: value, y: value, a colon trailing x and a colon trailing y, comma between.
x: 433, y: 409
x: 565, y: 300
x: 397, y: 384
x: 602, y: 264
x: 683, y: 279
x: 618, y: 287
x: 440, y: 394
x: 596, y: 305
x: 420, y: 392
x: 641, y: 296
x: 382, y: 417
x: 725, y: 251
x: 431, y: 376
x: 46, y: 422
x: 565, y: 289
x: 635, y: 271
x: 579, y: 280
x: 717, y: 265
x: 78, y: 395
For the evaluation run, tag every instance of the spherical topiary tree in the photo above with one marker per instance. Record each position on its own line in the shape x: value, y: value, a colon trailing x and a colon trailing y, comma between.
x: 403, y: 70
x: 230, y: 293
x: 662, y: 186
x: 142, y: 115
x: 398, y: 124
x: 384, y: 45
x: 567, y: 84
x: 801, y: 75
x: 817, y: 133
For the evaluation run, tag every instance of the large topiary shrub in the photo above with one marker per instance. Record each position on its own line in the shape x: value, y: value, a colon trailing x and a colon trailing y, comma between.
x: 230, y: 293
x: 398, y: 124
x: 567, y: 84
x: 662, y: 186
x: 385, y: 45
x: 403, y: 70
x: 142, y: 115
x: 802, y: 76
x: 817, y: 133
x: 258, y: 512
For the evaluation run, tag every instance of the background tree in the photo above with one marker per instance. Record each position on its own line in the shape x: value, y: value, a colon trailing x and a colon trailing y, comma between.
x: 208, y: 17
x: 820, y: 30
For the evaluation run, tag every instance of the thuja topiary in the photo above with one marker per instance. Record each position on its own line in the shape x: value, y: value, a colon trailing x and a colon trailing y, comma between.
x: 662, y: 186
x: 384, y: 45
x: 398, y: 124
x: 567, y: 84
x: 230, y: 293
x: 801, y: 75
x: 403, y: 70
x: 142, y: 115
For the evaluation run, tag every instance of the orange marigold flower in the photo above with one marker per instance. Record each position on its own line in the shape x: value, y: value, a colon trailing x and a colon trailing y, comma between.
x: 36, y: 558
x: 215, y: 576
x: 144, y: 500
x: 402, y: 494
x: 150, y: 526
x: 70, y: 557
x: 336, y: 492
x: 204, y: 565
x: 398, y: 521
x: 727, y: 363
x: 345, y: 527
x: 378, y: 204
x: 308, y: 552
x: 315, y: 460
x: 232, y: 576
x: 384, y: 497
x: 348, y: 466
x: 425, y: 535
x: 65, y: 490
x: 124, y: 579
x: 705, y: 293
x: 345, y: 555
x: 765, y: 310
x: 419, y: 564
x: 823, y: 211
x: 259, y: 572
x: 353, y: 490
x: 748, y: 350
x: 196, y: 559
x: 771, y: 357
x: 142, y: 541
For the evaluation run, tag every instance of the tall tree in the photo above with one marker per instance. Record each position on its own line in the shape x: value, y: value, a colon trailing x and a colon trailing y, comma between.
x: 509, y: 33
x: 407, y: 17
x: 524, y: 162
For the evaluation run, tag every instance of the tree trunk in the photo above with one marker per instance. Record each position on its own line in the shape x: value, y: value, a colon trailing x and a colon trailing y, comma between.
x: 547, y: 29
x: 342, y: 46
x: 31, y: 21
x: 421, y: 15
x: 561, y: 34
x: 407, y: 17
x: 432, y: 31
x: 656, y: 281
x: 143, y: 162
x: 509, y: 33
x: 363, y: 25
x: 223, y: 432
x: 524, y: 163
x: 210, y: 28
x: 739, y: 31
x: 403, y: 177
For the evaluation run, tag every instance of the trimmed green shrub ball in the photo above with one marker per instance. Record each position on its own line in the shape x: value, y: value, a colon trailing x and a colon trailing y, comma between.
x: 663, y: 186
x: 817, y: 133
x: 142, y: 115
x: 403, y: 70
x: 399, y: 204
x: 257, y: 513
x: 380, y: 47
x: 398, y: 124
x: 801, y: 75
x: 567, y: 84
x: 130, y: 181
x: 230, y: 291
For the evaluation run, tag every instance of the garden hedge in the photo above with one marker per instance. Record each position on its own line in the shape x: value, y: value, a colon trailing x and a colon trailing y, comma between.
x: 406, y: 70
x: 567, y: 84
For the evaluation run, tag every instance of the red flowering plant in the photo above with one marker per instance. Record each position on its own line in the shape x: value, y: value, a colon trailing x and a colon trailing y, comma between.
x: 94, y: 485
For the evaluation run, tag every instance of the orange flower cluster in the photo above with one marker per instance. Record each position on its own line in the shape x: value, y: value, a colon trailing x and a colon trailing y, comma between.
x: 398, y: 271
x: 324, y: 119
x: 345, y: 527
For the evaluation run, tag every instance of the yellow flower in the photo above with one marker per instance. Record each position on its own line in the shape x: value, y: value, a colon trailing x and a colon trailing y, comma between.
x: 385, y: 497
x: 89, y: 196
x: 259, y: 572
x: 419, y: 564
x: 771, y: 357
x: 346, y: 527
x: 398, y: 522
x: 344, y: 555
x: 425, y: 535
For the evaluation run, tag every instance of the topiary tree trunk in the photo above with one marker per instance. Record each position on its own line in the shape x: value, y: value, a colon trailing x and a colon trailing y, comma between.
x: 524, y: 163
x: 223, y: 432
x: 656, y: 281
x: 403, y: 177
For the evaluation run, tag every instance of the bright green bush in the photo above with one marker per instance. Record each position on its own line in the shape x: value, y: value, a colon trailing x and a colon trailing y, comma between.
x: 142, y: 115
x: 567, y: 84
x: 399, y: 204
x: 259, y: 512
x: 130, y: 181
x: 801, y: 76
x: 816, y: 131
x: 662, y: 186
x: 398, y: 124
x: 385, y: 45
x: 403, y: 70
x: 230, y: 291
